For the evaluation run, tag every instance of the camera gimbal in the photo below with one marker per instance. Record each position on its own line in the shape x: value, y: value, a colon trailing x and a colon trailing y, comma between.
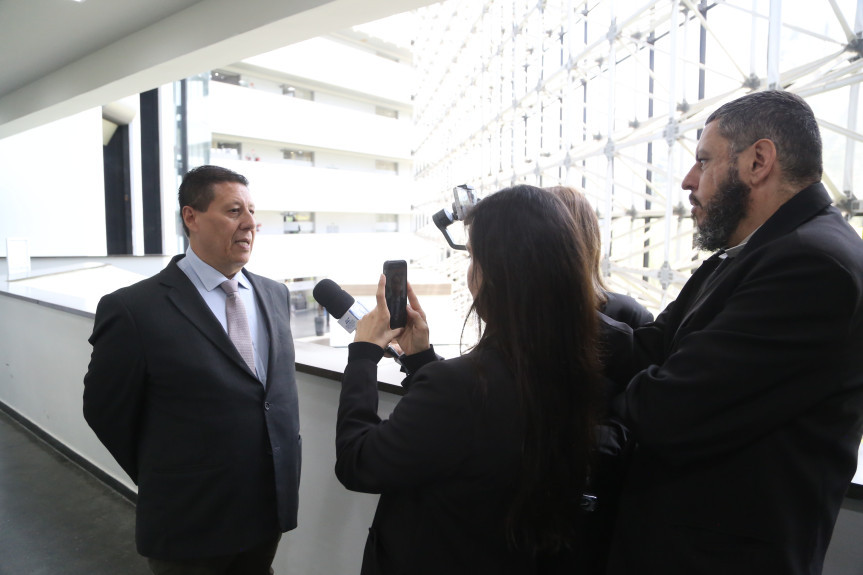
x: 465, y: 199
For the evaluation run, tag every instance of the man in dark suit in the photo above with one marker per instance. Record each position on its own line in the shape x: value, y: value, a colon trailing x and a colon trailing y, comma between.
x: 209, y: 435
x: 748, y: 405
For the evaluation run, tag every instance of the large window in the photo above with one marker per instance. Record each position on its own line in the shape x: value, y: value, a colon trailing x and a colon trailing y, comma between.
x: 609, y: 97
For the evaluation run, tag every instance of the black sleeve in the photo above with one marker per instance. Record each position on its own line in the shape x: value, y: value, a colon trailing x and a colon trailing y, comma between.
x: 115, y: 381
x: 412, y: 363
x: 425, y: 439
x: 757, y: 364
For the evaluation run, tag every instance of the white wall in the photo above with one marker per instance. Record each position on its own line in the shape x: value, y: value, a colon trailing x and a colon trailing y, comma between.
x: 53, y: 187
x: 330, y: 159
x: 333, y: 522
x: 44, y: 355
x: 346, y: 223
x: 328, y: 62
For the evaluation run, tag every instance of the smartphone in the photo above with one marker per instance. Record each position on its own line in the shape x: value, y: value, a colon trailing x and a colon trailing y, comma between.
x: 396, y: 272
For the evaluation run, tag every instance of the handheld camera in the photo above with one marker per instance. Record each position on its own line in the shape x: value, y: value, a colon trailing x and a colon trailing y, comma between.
x: 465, y: 199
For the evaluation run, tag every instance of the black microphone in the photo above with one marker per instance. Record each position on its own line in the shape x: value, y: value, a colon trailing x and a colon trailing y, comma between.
x: 343, y: 307
x: 339, y: 303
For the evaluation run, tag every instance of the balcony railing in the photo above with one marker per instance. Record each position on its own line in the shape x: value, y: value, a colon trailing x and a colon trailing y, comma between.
x: 289, y: 187
x: 254, y: 114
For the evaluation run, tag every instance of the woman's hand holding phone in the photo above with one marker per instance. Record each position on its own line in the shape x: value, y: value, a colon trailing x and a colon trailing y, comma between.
x: 374, y: 327
x: 415, y: 337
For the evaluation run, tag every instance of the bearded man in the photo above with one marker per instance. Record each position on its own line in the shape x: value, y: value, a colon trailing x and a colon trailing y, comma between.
x: 747, y: 394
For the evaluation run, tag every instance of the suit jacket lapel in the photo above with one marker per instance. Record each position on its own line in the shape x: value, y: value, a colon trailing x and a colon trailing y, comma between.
x: 694, y: 296
x: 184, y: 295
x: 269, y: 306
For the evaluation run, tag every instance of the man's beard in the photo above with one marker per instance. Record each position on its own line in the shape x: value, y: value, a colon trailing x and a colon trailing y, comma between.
x: 722, y: 214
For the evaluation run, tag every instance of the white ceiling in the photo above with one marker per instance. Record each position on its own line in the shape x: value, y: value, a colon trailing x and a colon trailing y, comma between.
x: 41, y: 36
x: 60, y: 57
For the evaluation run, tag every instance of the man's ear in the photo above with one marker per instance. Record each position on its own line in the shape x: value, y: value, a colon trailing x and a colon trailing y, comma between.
x: 188, y: 214
x: 761, y: 161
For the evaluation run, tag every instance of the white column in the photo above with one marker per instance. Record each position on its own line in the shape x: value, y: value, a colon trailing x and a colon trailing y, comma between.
x: 136, y: 195
x: 773, y: 37
x: 853, y: 104
x: 670, y: 140
x: 609, y: 146
x: 168, y: 179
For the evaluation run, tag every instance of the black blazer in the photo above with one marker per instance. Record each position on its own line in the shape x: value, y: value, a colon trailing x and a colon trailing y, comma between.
x: 215, y: 455
x: 750, y: 409
x: 445, y: 464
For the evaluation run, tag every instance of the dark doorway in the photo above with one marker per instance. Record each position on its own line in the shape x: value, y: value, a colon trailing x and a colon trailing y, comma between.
x: 118, y: 205
x: 151, y: 190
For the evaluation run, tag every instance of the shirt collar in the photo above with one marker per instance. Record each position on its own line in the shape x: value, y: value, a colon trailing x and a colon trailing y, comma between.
x: 210, y: 277
x: 733, y: 252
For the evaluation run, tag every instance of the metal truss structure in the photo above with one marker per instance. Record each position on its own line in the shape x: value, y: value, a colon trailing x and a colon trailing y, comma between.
x: 609, y: 96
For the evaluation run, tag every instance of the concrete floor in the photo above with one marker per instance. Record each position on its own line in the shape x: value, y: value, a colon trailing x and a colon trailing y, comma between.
x: 845, y: 555
x: 55, y: 518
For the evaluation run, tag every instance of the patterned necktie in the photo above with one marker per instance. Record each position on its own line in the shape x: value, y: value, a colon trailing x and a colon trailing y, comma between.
x: 238, y: 322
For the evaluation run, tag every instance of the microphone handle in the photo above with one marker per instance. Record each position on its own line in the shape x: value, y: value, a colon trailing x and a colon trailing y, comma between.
x: 395, y: 355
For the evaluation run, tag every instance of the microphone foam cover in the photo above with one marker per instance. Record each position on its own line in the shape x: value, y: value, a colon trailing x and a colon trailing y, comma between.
x: 330, y: 295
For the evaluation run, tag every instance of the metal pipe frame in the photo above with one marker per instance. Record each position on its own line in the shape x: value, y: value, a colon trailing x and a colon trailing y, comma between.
x: 494, y: 72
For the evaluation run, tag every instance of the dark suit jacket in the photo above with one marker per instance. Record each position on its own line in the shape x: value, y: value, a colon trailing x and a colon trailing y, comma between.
x: 749, y: 411
x: 445, y: 464
x: 216, y: 457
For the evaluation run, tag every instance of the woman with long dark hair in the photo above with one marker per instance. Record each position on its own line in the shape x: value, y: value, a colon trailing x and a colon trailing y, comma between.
x: 482, y: 463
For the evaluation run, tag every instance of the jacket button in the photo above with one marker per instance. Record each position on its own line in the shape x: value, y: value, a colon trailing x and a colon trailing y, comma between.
x: 267, y: 405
